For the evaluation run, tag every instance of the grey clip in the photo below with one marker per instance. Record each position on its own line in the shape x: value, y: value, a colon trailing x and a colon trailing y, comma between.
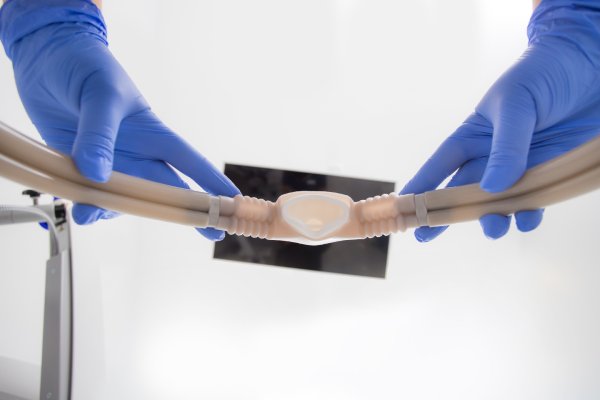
x: 214, y: 211
x: 421, y: 210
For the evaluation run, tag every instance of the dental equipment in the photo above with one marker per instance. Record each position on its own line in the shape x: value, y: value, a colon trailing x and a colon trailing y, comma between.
x: 311, y: 218
x: 57, y: 339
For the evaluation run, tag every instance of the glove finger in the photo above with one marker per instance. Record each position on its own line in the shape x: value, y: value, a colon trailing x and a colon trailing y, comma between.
x: 470, y: 172
x: 469, y: 141
x: 426, y: 234
x: 445, y: 160
x: 514, y: 121
x: 529, y: 220
x: 163, y: 144
x: 212, y: 234
x: 100, y: 116
x: 158, y: 171
x: 494, y: 225
x: 85, y: 214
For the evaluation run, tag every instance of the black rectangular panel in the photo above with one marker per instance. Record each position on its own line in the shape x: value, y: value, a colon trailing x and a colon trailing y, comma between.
x: 355, y: 257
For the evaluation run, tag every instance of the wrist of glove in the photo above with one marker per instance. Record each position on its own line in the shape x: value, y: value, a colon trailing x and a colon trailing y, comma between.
x: 21, y: 18
x: 575, y: 22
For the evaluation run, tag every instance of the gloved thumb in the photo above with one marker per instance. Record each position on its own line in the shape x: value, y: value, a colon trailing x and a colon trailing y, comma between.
x: 514, y: 123
x: 94, y: 145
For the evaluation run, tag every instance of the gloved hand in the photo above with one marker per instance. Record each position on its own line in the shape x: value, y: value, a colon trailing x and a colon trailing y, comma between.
x: 84, y: 104
x: 544, y: 105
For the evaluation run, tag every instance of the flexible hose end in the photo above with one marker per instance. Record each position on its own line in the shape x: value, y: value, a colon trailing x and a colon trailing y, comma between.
x: 247, y: 216
x: 385, y: 214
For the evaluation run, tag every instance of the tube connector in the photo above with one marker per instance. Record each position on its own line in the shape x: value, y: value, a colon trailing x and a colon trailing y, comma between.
x: 316, y: 217
x: 246, y: 216
x: 379, y: 216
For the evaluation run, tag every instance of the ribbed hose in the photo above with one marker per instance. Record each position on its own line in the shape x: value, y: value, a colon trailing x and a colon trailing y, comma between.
x: 251, y: 217
x: 380, y: 215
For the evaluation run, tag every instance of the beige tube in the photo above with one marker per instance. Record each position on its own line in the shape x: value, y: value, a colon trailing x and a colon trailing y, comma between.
x: 21, y: 173
x: 303, y: 217
x: 561, y: 191
x: 42, y: 158
x: 559, y: 169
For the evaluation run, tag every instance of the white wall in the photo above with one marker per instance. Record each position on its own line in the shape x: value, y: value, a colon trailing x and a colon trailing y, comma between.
x: 360, y: 88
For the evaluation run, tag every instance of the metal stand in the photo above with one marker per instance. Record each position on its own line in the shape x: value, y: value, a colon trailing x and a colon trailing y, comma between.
x: 58, y: 313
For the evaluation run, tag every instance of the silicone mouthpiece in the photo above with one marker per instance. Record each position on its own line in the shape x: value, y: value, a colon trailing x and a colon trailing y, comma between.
x: 315, y: 214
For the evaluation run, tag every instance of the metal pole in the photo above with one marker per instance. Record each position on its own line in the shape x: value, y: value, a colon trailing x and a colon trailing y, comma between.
x: 56, y: 368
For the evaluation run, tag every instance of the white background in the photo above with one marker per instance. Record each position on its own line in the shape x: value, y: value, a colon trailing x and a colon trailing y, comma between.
x: 351, y: 87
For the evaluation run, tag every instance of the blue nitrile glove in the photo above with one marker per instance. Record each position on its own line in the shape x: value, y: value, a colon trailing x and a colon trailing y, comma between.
x: 84, y: 104
x: 543, y: 106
